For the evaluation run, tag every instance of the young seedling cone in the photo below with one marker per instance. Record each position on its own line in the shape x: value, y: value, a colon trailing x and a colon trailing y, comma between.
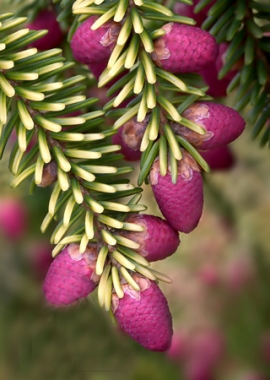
x: 46, y: 19
x: 145, y: 315
x: 92, y: 46
x: 222, y: 124
x: 158, y: 240
x: 184, y: 49
x: 180, y: 203
x: 71, y: 275
x: 221, y: 158
x: 129, y: 136
x: 218, y: 87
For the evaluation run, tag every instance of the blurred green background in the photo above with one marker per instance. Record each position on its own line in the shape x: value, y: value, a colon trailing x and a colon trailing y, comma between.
x: 219, y: 297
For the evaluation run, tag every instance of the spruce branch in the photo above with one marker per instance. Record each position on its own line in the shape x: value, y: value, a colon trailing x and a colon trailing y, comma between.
x: 142, y: 82
x: 248, y: 49
x: 64, y: 142
x: 70, y: 151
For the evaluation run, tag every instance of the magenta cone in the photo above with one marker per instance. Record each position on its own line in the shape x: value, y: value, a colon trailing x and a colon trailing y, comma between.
x: 182, y: 203
x: 221, y: 158
x: 70, y: 276
x: 92, y: 46
x: 184, y: 49
x: 46, y: 19
x: 218, y: 87
x: 145, y: 316
x: 158, y: 240
x: 221, y: 123
x: 128, y: 153
x: 129, y: 136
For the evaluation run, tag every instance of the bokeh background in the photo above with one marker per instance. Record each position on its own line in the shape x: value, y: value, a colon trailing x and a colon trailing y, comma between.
x: 219, y: 297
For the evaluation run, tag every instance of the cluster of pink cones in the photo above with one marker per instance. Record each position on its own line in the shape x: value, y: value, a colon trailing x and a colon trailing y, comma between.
x: 182, y: 203
x: 144, y: 314
x: 217, y: 87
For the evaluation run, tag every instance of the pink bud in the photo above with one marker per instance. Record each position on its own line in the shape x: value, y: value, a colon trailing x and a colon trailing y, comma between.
x: 46, y: 19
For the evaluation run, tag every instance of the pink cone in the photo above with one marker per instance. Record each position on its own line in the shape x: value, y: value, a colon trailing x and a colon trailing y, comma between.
x: 128, y: 153
x: 145, y: 316
x: 13, y: 218
x: 180, y: 203
x: 184, y: 49
x: 97, y: 68
x: 188, y: 11
x: 71, y: 275
x: 222, y: 124
x: 158, y: 240
x: 94, y: 46
x: 129, y: 136
x: 218, y: 87
x: 221, y: 158
x: 46, y: 19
